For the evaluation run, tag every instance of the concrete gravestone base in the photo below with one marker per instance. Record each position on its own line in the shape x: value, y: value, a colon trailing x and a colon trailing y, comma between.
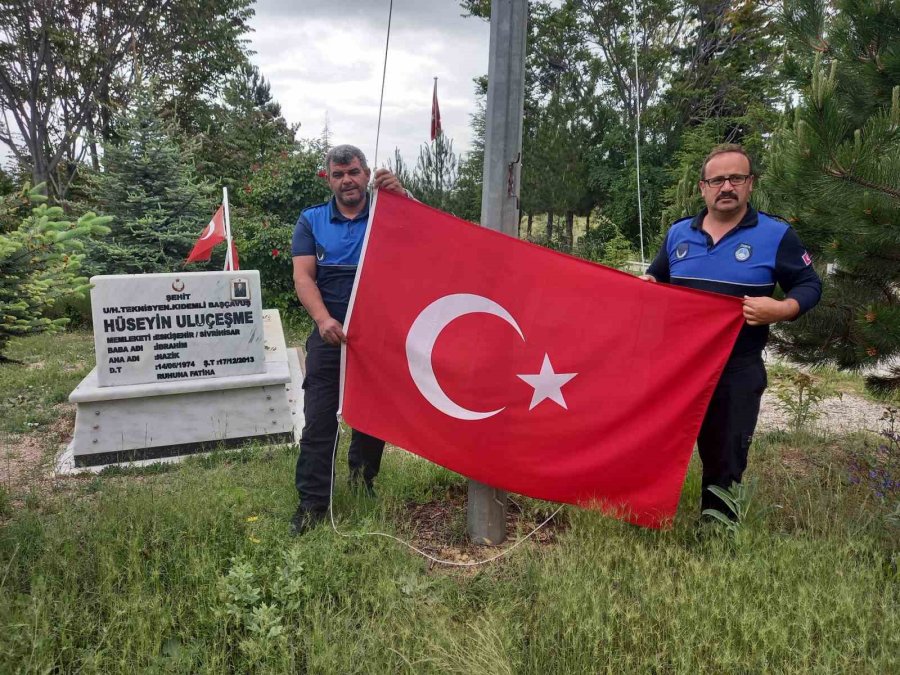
x: 206, y: 374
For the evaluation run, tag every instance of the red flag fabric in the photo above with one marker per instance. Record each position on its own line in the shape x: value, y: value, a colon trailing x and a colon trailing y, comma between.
x: 235, y: 263
x: 435, y: 114
x: 212, y: 235
x: 527, y: 369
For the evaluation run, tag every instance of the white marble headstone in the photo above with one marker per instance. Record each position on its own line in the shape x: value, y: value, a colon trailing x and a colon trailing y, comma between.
x: 171, y: 327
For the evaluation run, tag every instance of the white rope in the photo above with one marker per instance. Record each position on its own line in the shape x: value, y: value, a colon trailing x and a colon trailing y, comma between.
x: 387, y: 42
x: 637, y: 125
x: 425, y: 554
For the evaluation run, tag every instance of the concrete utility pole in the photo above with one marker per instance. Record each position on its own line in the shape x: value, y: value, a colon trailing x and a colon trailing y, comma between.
x: 500, y: 196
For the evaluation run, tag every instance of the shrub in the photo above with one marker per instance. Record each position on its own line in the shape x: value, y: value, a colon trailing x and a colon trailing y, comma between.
x: 41, y: 260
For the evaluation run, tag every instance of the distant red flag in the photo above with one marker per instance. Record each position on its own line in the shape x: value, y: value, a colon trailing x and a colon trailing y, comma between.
x: 213, y: 235
x: 435, y: 114
x: 527, y: 369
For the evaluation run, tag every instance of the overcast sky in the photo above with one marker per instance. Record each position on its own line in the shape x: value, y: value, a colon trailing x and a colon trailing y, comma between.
x: 326, y: 58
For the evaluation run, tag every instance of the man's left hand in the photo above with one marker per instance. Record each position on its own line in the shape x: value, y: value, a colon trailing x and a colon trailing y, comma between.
x: 761, y: 311
x: 385, y: 180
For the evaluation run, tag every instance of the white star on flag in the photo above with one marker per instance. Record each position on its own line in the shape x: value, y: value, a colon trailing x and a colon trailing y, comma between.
x: 547, y: 384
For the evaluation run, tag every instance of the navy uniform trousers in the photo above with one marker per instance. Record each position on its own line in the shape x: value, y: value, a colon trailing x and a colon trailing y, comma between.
x: 728, y: 427
x: 321, y: 393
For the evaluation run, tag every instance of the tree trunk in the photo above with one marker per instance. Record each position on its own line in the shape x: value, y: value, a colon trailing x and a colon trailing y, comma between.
x: 549, y: 225
x: 530, y: 221
x: 587, y: 223
x: 570, y: 228
x: 92, y: 146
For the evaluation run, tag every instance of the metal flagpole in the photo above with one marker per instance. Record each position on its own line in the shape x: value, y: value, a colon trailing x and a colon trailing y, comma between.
x: 229, y: 263
x: 500, y: 196
x: 637, y: 125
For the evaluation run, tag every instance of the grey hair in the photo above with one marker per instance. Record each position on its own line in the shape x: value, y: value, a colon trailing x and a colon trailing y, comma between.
x: 344, y: 154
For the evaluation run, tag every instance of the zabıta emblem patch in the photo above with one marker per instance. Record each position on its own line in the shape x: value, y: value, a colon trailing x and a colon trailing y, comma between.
x: 743, y: 252
x: 681, y: 250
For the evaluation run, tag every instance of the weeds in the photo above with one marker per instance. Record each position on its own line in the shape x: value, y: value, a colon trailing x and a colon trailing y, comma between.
x: 877, y: 465
x: 797, y: 395
x: 738, y: 499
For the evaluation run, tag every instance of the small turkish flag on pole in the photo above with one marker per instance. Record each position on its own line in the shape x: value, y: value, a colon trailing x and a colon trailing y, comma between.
x: 213, y: 235
x: 435, y: 114
x: 527, y: 369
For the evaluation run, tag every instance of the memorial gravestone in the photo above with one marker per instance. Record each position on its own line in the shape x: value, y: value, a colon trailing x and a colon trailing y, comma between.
x: 151, y: 328
x: 185, y: 363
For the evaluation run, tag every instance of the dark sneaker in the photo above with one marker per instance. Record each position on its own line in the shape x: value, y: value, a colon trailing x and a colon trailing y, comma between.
x: 304, y: 520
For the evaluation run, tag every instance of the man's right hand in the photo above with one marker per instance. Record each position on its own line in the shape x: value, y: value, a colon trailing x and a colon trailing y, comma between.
x: 647, y: 277
x: 331, y: 331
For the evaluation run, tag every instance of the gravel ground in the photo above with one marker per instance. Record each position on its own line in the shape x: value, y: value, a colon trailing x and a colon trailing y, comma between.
x: 838, y: 414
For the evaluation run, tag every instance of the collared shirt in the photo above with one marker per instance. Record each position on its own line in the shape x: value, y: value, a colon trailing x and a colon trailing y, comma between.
x: 336, y: 241
x: 758, y: 253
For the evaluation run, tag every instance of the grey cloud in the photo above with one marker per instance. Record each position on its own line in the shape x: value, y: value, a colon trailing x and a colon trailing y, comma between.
x: 406, y: 13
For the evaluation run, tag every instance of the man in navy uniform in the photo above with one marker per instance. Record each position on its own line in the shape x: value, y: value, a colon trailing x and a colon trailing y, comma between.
x: 326, y: 247
x: 730, y: 247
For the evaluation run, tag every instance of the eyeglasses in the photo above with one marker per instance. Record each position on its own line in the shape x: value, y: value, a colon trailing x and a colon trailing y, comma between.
x: 734, y: 179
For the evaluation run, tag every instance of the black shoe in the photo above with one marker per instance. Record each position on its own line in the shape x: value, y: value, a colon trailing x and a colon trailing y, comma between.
x: 304, y: 520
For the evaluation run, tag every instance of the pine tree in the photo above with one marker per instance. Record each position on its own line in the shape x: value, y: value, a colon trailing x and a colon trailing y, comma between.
x: 436, y: 171
x: 41, y: 260
x: 834, y: 171
x: 150, y: 186
x: 244, y: 130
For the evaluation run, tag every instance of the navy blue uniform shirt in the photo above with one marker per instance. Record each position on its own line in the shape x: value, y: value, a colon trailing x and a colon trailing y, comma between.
x: 336, y: 241
x: 758, y: 253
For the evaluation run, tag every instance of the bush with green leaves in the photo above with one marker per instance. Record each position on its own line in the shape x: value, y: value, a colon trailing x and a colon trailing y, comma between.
x: 277, y: 192
x: 41, y: 260
x: 264, y: 244
x: 288, y: 183
x: 606, y: 245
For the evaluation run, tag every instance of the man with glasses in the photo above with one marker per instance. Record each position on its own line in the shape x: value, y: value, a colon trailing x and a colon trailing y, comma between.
x: 326, y: 247
x: 730, y: 247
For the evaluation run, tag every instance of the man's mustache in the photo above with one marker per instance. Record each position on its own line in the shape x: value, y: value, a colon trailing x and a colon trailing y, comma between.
x: 726, y: 195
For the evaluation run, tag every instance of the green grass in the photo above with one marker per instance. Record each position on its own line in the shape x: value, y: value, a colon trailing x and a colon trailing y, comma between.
x: 45, y: 370
x: 190, y: 569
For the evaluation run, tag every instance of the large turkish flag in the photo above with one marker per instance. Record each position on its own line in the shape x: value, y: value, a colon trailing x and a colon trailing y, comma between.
x: 527, y: 369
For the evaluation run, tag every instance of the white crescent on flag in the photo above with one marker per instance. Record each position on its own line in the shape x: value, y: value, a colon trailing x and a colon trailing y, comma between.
x: 424, y: 333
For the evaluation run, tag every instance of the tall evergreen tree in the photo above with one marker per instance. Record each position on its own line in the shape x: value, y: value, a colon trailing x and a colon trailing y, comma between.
x: 150, y: 186
x: 835, y: 172
x: 244, y: 130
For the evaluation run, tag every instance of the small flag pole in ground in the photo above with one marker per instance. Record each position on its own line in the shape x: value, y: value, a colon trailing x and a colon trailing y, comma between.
x: 229, y: 262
